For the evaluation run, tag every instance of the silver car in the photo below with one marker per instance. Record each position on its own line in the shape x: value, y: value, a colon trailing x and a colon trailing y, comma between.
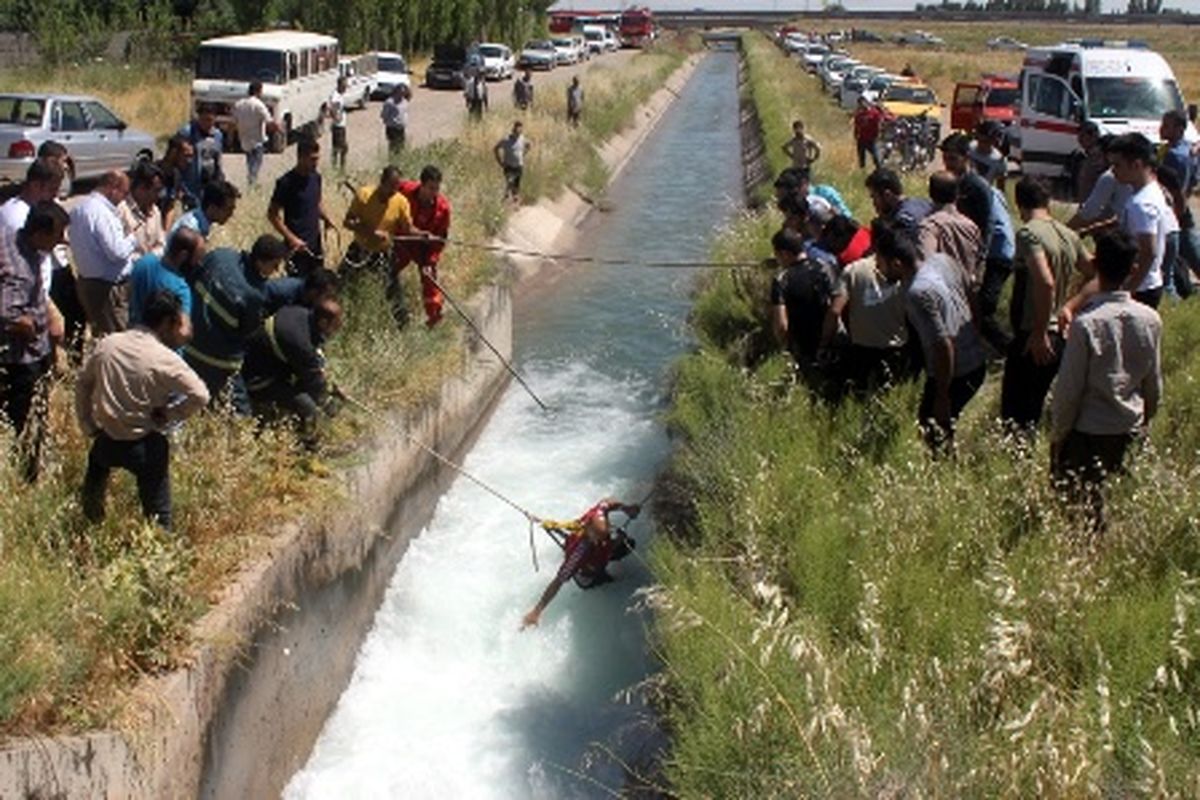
x: 97, y: 140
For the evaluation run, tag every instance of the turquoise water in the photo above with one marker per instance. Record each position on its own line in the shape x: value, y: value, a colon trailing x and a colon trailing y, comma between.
x: 449, y: 699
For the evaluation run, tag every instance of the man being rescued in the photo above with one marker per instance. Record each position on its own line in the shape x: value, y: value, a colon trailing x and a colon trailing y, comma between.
x: 588, y: 546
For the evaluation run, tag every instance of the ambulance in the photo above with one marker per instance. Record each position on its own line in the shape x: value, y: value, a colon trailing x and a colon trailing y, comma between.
x: 1123, y: 87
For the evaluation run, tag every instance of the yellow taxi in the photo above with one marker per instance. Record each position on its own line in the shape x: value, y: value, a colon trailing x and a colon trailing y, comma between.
x: 909, y: 99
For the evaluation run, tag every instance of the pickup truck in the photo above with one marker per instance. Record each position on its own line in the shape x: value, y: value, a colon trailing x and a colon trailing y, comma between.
x: 359, y: 72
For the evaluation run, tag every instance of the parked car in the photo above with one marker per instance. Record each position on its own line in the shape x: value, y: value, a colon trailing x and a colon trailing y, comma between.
x: 97, y: 140
x: 833, y: 70
x: 877, y: 86
x: 593, y: 39
x: 920, y: 39
x: 861, y: 35
x: 360, y: 78
x: 814, y: 55
x: 567, y: 49
x: 612, y: 42
x: 391, y: 70
x: 909, y: 98
x: 451, y: 66
x: 1006, y: 43
x: 498, y: 61
x: 854, y: 84
x: 538, y: 54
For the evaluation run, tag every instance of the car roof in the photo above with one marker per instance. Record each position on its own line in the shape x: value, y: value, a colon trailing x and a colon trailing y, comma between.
x: 50, y: 96
x: 387, y: 53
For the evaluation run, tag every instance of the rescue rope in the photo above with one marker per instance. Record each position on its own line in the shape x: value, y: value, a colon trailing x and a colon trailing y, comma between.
x: 427, y: 275
x: 577, y: 259
x: 529, y: 515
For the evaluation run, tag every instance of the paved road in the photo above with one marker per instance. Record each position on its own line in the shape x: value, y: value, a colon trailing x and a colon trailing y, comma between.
x: 434, y: 114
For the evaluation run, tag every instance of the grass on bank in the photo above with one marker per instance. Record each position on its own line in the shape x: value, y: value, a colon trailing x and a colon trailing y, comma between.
x: 840, y: 616
x: 87, y: 609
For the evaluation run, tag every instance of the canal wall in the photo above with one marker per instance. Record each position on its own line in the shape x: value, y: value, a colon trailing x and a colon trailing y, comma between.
x: 276, y: 651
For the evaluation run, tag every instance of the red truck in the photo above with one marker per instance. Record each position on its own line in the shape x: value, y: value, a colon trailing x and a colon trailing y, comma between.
x: 992, y: 97
x: 637, y: 27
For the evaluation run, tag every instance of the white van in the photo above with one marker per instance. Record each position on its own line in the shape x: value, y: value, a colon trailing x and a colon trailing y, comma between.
x: 1123, y: 89
x: 298, y: 72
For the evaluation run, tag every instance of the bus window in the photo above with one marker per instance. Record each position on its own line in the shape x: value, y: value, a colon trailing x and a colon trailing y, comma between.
x: 239, y: 64
x: 293, y: 66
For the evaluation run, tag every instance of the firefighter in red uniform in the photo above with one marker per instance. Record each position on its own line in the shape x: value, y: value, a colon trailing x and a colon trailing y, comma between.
x: 431, y: 218
x: 588, y: 547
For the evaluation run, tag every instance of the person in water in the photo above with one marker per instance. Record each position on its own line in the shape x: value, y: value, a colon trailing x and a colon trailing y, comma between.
x: 588, y: 546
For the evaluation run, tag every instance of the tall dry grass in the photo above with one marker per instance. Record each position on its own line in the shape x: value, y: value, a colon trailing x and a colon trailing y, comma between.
x: 841, y: 616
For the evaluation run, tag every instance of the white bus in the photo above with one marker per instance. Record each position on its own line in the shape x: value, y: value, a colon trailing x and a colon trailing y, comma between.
x: 298, y: 72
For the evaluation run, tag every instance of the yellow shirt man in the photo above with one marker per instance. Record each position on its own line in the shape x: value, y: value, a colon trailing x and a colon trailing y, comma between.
x: 374, y: 210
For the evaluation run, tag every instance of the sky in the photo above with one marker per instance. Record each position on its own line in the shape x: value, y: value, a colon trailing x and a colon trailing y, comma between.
x: 802, y: 5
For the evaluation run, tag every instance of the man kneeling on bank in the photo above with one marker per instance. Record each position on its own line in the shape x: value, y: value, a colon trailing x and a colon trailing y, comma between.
x: 285, y: 369
x: 133, y: 389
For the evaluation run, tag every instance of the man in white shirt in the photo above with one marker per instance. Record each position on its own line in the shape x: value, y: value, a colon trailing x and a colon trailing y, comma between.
x: 139, y: 211
x: 254, y: 124
x: 42, y: 182
x: 104, y: 255
x: 395, y: 118
x: 335, y: 110
x: 1147, y: 217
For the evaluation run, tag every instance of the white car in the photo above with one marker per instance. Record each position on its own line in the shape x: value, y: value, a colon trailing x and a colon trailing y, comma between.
x: 1006, y: 43
x: 814, y: 55
x: 854, y: 84
x: 877, y: 86
x: 538, y: 54
x: 593, y: 39
x: 612, y: 43
x: 391, y: 70
x: 498, y: 61
x: 567, y: 49
x: 360, y: 83
x: 920, y: 39
x: 833, y: 70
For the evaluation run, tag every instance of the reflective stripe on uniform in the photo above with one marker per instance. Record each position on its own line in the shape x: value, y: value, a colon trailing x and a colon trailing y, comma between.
x: 233, y: 365
x: 218, y: 309
x: 269, y: 327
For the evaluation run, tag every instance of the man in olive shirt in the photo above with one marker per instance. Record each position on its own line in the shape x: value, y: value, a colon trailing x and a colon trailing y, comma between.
x: 1049, y: 254
x: 1110, y: 381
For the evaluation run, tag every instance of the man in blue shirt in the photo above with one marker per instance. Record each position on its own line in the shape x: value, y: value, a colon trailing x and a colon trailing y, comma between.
x: 1176, y: 156
x: 207, y: 145
x: 152, y: 273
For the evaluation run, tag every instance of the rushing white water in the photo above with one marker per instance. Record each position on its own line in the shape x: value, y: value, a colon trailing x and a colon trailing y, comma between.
x: 449, y: 699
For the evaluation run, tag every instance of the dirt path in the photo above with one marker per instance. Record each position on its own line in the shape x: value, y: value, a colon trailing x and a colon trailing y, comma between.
x: 433, y: 115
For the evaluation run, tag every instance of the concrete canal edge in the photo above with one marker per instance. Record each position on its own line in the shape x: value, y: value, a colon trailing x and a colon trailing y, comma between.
x: 276, y: 651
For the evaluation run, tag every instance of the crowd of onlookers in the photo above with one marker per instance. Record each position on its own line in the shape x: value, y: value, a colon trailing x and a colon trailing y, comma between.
x: 919, y: 289
x: 124, y: 282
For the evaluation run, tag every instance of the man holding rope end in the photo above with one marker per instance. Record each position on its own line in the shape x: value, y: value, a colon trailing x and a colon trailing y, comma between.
x: 430, y: 226
x: 375, y: 215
